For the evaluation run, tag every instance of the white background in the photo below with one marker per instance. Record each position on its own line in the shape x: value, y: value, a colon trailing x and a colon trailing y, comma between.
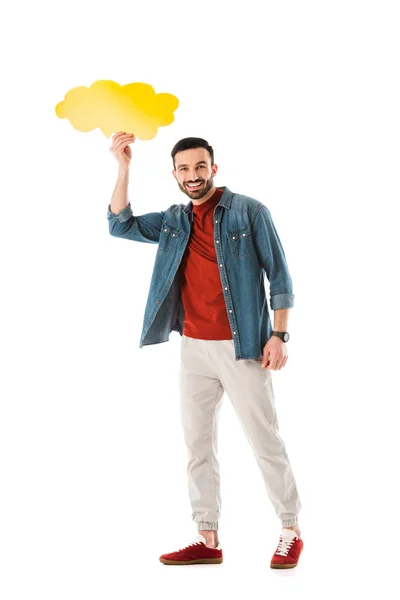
x: 300, y: 101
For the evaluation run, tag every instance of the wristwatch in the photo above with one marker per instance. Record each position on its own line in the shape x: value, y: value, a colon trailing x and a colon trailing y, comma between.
x: 282, y: 334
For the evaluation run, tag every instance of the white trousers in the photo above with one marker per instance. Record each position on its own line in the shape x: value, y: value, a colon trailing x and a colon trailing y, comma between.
x: 208, y: 368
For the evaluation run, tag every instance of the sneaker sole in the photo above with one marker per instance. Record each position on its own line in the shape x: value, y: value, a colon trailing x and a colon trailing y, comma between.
x: 207, y: 561
x: 277, y: 566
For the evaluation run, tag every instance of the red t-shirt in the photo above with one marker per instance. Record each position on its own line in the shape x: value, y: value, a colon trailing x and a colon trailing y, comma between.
x: 202, y: 294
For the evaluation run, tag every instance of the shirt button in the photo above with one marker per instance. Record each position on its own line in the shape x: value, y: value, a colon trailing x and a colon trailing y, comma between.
x: 216, y: 221
x: 220, y: 265
x: 233, y: 237
x: 244, y: 235
x: 234, y: 332
x: 165, y: 229
x: 226, y: 288
x: 230, y: 310
x: 217, y: 241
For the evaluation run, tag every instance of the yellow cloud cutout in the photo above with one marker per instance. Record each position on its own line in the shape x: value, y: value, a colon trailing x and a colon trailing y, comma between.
x: 134, y: 108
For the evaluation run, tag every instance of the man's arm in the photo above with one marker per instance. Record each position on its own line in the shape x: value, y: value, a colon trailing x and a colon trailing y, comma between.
x: 119, y: 198
x: 140, y: 228
x: 273, y: 260
x: 281, y: 317
x: 122, y: 223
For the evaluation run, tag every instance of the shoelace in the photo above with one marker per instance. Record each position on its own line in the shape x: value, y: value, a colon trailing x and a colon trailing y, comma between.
x: 192, y: 544
x: 284, y: 546
x: 197, y: 541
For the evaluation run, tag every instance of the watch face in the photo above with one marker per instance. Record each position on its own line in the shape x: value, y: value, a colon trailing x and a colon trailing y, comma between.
x: 286, y: 336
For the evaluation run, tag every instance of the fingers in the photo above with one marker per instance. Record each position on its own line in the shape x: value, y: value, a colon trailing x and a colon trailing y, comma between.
x: 121, y: 140
x: 281, y: 364
x: 122, y: 134
x: 276, y: 365
x: 270, y: 365
x: 266, y: 362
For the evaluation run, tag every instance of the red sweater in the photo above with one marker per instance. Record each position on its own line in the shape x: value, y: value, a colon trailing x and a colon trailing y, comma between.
x: 202, y: 295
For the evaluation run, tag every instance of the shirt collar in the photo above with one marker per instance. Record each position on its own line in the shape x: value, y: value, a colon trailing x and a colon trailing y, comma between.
x: 225, y: 200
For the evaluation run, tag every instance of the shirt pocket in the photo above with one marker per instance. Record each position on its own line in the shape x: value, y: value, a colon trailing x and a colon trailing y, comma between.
x: 169, y: 237
x: 240, y: 242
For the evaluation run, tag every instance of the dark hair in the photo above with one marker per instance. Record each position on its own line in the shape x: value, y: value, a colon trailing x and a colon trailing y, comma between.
x: 192, y: 142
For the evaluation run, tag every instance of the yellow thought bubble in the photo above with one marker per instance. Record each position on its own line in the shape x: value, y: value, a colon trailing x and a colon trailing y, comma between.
x: 134, y: 108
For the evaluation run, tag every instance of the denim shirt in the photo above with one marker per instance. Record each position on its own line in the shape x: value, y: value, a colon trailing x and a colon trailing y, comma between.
x: 247, y: 247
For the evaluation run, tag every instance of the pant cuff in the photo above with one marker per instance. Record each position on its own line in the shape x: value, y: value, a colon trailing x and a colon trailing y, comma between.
x: 289, y: 522
x: 203, y: 525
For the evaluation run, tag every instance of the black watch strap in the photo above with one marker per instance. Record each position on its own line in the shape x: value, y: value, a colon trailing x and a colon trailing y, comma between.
x: 284, y: 335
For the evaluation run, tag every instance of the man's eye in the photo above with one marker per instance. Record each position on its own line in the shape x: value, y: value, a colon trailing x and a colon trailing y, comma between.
x: 199, y: 167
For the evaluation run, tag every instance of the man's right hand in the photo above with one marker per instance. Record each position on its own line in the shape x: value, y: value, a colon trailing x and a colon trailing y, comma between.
x: 120, y: 148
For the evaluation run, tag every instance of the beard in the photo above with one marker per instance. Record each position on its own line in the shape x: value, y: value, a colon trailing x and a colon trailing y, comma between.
x: 196, y: 194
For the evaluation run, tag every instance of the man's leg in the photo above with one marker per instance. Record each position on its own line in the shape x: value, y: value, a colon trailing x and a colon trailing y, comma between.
x: 200, y: 400
x: 249, y: 387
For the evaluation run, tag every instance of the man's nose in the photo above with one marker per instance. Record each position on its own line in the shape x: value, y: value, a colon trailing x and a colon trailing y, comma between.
x: 192, y: 176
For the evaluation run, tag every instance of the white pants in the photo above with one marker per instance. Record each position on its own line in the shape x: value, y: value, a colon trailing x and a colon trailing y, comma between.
x: 208, y: 368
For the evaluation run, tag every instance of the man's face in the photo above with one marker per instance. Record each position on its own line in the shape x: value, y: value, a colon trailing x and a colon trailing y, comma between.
x: 194, y: 167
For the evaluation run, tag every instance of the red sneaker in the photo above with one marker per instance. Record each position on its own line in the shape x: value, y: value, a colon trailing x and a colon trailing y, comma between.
x: 194, y: 553
x: 288, y: 551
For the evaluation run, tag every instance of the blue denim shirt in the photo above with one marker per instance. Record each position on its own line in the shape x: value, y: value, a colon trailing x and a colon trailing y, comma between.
x: 247, y: 247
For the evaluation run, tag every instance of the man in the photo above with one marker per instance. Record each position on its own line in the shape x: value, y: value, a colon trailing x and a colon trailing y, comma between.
x: 208, y: 284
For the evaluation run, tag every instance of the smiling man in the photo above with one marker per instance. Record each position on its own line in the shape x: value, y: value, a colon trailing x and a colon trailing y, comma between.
x: 208, y: 285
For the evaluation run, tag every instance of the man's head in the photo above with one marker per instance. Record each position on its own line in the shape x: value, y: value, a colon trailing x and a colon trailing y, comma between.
x: 193, y: 160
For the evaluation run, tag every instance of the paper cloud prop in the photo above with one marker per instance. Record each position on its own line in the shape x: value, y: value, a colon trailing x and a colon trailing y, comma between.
x: 134, y: 108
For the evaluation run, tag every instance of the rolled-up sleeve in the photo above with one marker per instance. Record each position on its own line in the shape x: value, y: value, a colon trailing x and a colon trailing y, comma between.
x: 273, y: 260
x: 122, y: 216
x: 142, y: 228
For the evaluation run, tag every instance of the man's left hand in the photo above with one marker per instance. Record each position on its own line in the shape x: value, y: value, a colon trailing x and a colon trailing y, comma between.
x: 275, y: 354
